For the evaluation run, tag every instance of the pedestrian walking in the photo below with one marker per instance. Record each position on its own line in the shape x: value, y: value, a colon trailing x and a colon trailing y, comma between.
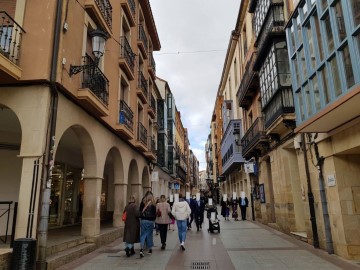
x: 181, y: 211
x: 199, y: 213
x: 163, y: 219
x: 132, y: 226
x: 234, y: 204
x: 148, y: 216
x: 244, y: 203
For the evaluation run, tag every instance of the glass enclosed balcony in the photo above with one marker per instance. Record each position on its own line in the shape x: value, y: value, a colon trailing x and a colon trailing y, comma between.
x: 231, y: 152
x: 249, y: 82
x: 324, y: 44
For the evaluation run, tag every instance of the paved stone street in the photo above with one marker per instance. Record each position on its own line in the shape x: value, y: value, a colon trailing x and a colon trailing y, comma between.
x: 240, y: 245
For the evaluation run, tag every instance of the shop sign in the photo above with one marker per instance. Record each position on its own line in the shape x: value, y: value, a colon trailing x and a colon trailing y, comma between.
x: 331, y: 181
x: 155, y: 176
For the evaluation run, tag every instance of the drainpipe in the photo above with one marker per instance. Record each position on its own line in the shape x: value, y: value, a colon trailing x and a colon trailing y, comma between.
x: 310, y: 196
x: 49, y: 157
x: 320, y: 163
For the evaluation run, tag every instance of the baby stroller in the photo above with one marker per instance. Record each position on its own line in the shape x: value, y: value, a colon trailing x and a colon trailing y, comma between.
x: 214, y: 225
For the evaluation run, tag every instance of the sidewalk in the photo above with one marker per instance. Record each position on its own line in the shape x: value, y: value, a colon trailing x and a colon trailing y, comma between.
x: 240, y: 245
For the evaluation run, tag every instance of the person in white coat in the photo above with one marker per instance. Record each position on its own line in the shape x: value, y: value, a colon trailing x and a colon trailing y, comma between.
x: 181, y: 211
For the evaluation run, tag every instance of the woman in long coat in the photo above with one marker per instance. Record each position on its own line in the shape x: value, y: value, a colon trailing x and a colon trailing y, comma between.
x: 132, y: 227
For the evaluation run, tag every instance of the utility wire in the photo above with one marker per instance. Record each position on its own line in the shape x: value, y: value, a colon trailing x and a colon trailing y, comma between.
x: 207, y: 51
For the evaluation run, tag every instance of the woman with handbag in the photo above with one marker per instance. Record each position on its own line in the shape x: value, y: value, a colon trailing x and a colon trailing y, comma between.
x: 148, y: 216
x: 162, y: 219
x: 131, y: 216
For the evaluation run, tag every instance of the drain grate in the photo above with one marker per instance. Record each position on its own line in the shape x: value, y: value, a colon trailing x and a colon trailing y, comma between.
x: 200, y: 265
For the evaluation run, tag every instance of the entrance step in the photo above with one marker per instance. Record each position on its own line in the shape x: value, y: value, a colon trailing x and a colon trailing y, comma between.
x: 5, y: 257
x: 300, y: 236
x: 61, y: 246
x: 66, y: 256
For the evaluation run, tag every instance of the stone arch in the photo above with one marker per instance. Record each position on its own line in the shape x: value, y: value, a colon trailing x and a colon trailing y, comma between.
x: 76, y: 157
x: 114, y: 183
x: 12, y: 165
x: 145, y: 180
x: 134, y: 185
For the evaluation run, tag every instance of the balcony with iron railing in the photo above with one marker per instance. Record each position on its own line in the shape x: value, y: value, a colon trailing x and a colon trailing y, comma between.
x: 129, y: 8
x: 126, y: 120
x: 142, y: 87
x: 281, y: 105
x: 273, y: 26
x: 151, y: 153
x: 152, y: 66
x: 10, y: 45
x: 94, y: 92
x: 141, y: 139
x: 254, y: 137
x: 142, y: 40
x: 100, y: 11
x: 152, y: 107
x: 127, y: 58
x: 250, y: 81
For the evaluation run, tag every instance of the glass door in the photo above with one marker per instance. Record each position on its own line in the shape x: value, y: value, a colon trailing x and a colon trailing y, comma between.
x: 55, y: 195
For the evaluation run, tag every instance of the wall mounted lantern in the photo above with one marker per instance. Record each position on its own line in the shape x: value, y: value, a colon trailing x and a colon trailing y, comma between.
x: 98, y: 39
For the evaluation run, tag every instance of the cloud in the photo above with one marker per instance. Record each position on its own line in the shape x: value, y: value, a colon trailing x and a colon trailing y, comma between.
x: 191, y: 27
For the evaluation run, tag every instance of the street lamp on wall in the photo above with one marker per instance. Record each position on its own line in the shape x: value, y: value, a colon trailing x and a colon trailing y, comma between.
x: 98, y: 39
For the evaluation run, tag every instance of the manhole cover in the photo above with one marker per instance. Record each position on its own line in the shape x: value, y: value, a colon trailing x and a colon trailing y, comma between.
x: 200, y: 265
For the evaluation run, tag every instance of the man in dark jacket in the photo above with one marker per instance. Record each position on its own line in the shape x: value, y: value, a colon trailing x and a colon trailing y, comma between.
x: 199, y: 213
x: 244, y: 203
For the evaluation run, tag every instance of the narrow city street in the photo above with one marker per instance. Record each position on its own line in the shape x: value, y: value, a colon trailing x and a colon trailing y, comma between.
x: 240, y: 245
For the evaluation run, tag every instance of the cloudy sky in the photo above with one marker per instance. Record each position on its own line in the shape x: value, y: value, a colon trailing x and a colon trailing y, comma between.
x: 194, y: 36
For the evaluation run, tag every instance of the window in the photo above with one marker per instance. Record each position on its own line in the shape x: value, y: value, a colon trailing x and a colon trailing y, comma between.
x: 349, y: 74
x: 268, y: 77
x: 301, y: 105
x: 308, y: 99
x: 295, y: 64
x: 318, y: 37
x: 305, y: 9
x: 292, y: 35
x: 235, y: 73
x: 303, y: 64
x: 298, y: 23
x: 311, y: 45
x: 340, y: 21
x: 329, y: 35
x: 335, y: 75
x: 260, y: 14
x: 283, y: 63
x: 323, y: 5
x: 316, y: 90
x: 355, y: 11
x: 325, y: 79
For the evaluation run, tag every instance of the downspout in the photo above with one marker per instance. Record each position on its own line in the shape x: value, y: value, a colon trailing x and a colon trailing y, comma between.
x: 320, y: 163
x: 47, y: 168
x: 310, y: 196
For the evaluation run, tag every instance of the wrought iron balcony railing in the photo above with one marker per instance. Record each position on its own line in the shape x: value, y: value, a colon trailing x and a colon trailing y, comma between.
x: 142, y: 36
x: 152, y: 62
x: 126, y: 115
x: 127, y: 53
x: 142, y: 84
x: 253, y: 134
x: 95, y: 80
x: 106, y: 10
x: 153, y: 103
x: 281, y: 103
x: 142, y: 133
x: 152, y: 145
x: 246, y: 79
x: 10, y: 37
x: 132, y: 6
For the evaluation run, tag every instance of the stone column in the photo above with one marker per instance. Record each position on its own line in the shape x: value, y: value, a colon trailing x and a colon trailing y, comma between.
x: 136, y: 190
x: 120, y: 201
x: 91, y: 206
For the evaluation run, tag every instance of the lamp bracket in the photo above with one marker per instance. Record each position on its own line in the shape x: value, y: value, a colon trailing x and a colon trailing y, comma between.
x: 76, y: 69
